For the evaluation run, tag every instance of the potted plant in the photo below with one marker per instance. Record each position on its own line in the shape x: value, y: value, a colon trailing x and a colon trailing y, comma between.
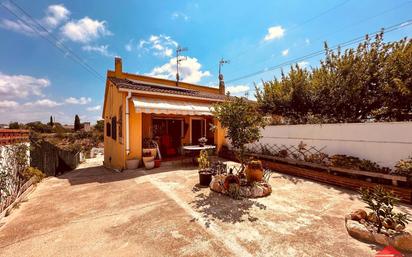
x: 157, y: 161
x: 150, y: 145
x: 148, y: 160
x: 132, y: 164
x: 254, y: 171
x: 205, y: 174
x: 202, y: 141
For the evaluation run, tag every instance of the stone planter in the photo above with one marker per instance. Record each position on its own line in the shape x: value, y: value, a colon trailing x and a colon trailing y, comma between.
x: 401, y: 241
x: 259, y: 189
x: 132, y: 164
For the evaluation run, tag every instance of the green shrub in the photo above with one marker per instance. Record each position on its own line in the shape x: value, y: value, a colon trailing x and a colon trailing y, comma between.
x: 30, y: 172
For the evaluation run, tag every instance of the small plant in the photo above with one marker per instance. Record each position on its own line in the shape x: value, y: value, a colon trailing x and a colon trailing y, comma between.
x: 382, y: 202
x: 30, y: 172
x: 255, y: 164
x: 147, y: 154
x: 202, y: 140
x: 203, y: 160
x: 404, y: 167
x: 148, y: 143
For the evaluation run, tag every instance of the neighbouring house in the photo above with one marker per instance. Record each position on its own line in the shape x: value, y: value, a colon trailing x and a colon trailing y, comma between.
x: 4, y: 126
x: 86, y: 126
x: 68, y: 127
x: 138, y: 107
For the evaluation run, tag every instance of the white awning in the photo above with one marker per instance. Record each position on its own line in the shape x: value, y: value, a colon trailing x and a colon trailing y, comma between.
x: 161, y: 106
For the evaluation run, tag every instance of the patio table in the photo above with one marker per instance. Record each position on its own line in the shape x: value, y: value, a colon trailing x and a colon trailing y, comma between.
x: 197, y: 148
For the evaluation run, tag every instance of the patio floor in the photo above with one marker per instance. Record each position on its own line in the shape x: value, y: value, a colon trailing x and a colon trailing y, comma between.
x: 93, y: 211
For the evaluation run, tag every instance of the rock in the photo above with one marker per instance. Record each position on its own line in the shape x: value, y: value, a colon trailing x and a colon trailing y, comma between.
x: 217, y: 184
x: 358, y: 231
x: 245, y: 191
x: 403, y: 242
x: 388, y: 224
x: 381, y: 238
x: 399, y: 227
x: 257, y: 191
x: 362, y: 221
x: 372, y: 217
x: 359, y: 214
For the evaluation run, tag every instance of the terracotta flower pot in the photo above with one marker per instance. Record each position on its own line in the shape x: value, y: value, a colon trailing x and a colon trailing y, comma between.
x: 132, y: 164
x: 229, y: 180
x: 254, y: 171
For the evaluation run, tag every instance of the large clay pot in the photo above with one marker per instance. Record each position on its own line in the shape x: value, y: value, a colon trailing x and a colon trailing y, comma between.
x: 231, y: 179
x: 153, y: 151
x: 254, y: 171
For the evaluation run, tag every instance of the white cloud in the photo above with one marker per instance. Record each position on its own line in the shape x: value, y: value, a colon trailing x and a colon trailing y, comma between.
x: 303, y: 64
x: 43, y: 103
x: 85, y: 30
x: 8, y: 104
x: 101, y: 49
x: 94, y: 108
x: 307, y: 41
x: 285, y: 52
x: 189, y: 70
x: 129, y: 46
x: 237, y: 89
x: 55, y: 15
x: 17, y: 26
x: 274, y: 32
x: 21, y: 86
x: 179, y: 15
x: 82, y: 100
x: 158, y: 45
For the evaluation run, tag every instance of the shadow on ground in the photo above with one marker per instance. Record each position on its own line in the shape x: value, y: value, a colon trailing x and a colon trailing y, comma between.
x: 215, y: 206
x: 100, y: 174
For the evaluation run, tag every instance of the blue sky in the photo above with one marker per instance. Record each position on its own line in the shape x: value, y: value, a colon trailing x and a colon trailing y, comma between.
x: 38, y: 80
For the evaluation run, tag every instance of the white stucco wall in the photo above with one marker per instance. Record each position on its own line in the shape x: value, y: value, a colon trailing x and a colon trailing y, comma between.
x: 384, y: 143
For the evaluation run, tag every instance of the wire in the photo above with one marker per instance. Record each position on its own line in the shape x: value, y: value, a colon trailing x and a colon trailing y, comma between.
x: 265, y: 60
x: 313, y: 54
x: 292, y: 28
x: 54, y: 42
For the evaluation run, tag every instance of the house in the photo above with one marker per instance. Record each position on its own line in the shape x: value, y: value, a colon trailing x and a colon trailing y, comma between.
x: 173, y: 113
x: 86, y: 126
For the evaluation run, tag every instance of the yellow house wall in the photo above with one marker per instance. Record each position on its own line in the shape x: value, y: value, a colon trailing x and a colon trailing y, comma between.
x: 135, y: 133
x: 114, y: 153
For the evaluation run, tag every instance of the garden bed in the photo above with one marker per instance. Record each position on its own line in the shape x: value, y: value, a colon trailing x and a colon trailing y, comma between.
x: 353, y: 179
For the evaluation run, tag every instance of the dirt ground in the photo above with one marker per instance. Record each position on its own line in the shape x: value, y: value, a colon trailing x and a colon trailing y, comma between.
x: 93, y: 211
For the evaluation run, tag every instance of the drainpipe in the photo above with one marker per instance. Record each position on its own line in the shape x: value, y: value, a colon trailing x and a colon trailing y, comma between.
x: 129, y: 95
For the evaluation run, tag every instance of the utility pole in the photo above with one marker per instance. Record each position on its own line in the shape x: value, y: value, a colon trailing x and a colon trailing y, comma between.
x: 221, y: 79
x: 178, y: 60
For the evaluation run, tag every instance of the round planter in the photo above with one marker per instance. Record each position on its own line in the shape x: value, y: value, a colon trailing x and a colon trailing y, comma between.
x: 132, y: 164
x: 205, y: 177
x: 148, y: 159
x: 149, y: 165
x: 254, y: 173
x: 153, y: 151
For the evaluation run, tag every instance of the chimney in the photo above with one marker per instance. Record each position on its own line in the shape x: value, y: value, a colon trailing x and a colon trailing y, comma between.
x: 118, y: 66
x: 221, y: 85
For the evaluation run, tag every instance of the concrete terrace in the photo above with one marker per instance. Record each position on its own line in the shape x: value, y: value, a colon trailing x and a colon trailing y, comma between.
x: 93, y: 211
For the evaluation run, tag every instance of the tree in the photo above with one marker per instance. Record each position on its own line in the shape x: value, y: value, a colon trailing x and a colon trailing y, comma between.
x: 77, y: 125
x: 99, y: 126
x: 14, y: 125
x: 370, y: 82
x: 51, y: 123
x: 242, y: 120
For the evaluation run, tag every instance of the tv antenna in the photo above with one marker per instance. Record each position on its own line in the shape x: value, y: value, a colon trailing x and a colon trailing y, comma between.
x: 221, y: 62
x: 178, y: 60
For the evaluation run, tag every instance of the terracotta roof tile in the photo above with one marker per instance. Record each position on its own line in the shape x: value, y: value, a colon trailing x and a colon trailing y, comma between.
x: 136, y: 85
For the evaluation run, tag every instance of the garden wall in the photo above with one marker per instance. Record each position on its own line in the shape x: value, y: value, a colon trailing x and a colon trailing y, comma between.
x: 384, y: 143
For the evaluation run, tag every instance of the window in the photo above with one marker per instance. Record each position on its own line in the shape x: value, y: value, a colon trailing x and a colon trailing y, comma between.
x: 114, y: 132
x: 108, y: 129
x: 120, y: 122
